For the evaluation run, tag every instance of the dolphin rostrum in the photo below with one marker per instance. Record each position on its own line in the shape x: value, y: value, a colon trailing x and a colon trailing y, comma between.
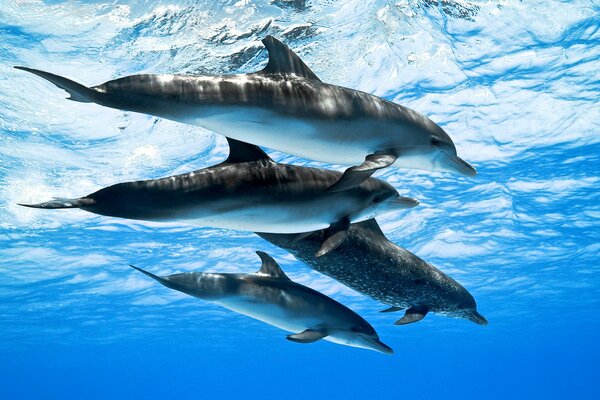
x: 248, y: 191
x: 287, y: 108
x: 372, y: 265
x: 271, y: 297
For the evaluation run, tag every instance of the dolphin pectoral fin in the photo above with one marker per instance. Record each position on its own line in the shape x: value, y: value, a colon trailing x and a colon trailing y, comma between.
x: 334, y: 236
x: 307, y: 336
x: 302, y: 236
x: 413, y: 314
x: 392, y: 309
x: 283, y: 61
x: 356, y: 175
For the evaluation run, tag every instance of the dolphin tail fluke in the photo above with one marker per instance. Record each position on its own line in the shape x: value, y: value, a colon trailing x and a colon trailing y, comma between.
x: 59, y: 202
x: 151, y: 275
x: 77, y: 91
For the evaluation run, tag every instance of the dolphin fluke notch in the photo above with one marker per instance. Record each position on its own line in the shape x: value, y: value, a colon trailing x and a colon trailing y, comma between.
x: 59, y: 202
x: 77, y: 91
x: 284, y: 61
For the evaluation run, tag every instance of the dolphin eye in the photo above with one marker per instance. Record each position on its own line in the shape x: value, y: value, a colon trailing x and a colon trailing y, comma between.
x: 435, y: 141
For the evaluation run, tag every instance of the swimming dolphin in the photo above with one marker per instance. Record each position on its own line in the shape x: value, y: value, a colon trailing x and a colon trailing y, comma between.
x: 287, y: 108
x: 271, y: 297
x: 372, y: 265
x: 249, y: 191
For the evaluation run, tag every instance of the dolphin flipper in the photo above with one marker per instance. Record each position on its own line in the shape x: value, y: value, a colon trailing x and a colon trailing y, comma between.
x: 356, y: 175
x: 302, y: 236
x: 307, y: 336
x: 334, y: 236
x: 392, y: 309
x: 413, y: 314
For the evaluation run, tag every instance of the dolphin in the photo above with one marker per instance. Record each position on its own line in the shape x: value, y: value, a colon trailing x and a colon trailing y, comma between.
x: 372, y: 265
x: 286, y: 107
x: 248, y: 191
x: 271, y: 297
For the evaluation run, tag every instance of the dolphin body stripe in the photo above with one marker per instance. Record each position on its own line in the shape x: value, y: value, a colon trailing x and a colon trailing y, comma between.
x: 271, y: 297
x: 248, y: 191
x: 328, y: 123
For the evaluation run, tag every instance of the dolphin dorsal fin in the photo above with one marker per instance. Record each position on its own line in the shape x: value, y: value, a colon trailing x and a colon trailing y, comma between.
x: 270, y: 267
x: 244, y: 152
x: 282, y: 60
x: 372, y: 225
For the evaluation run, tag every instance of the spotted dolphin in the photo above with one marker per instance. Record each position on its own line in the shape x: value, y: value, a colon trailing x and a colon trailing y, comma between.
x: 271, y: 297
x: 286, y: 107
x: 372, y: 265
x: 250, y: 192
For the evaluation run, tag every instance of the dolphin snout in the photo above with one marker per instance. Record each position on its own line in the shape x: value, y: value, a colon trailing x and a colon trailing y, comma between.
x: 453, y: 163
x: 379, y: 346
x: 479, y: 319
x: 406, y: 202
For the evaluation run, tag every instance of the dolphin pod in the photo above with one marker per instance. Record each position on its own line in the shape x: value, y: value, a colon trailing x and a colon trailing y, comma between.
x: 248, y: 191
x: 372, y: 265
x: 271, y: 297
x: 286, y: 107
x: 324, y: 218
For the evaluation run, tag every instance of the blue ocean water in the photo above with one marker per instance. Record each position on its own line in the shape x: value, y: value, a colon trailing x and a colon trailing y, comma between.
x: 515, y: 84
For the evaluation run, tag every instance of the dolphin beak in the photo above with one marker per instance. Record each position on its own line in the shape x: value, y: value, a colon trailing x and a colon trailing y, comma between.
x: 404, y: 202
x: 479, y: 319
x: 379, y: 346
x: 453, y: 163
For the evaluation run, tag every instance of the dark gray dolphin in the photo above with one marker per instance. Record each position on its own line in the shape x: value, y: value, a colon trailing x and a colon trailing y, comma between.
x: 250, y: 192
x: 372, y: 265
x: 287, y: 108
x: 271, y: 297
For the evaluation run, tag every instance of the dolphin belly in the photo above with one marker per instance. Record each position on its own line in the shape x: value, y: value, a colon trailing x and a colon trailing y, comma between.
x: 273, y: 314
x: 285, y: 217
x: 305, y: 137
